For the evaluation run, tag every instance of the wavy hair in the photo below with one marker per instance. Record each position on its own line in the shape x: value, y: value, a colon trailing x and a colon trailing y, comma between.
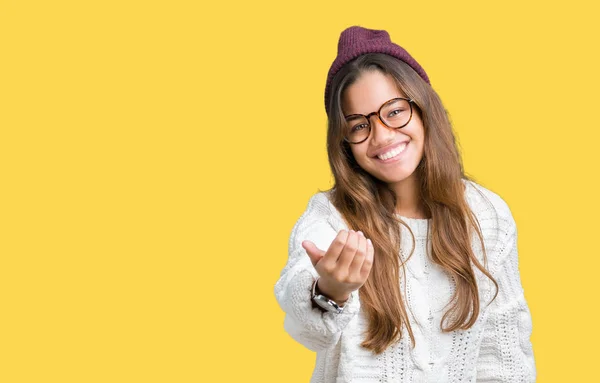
x: 368, y: 204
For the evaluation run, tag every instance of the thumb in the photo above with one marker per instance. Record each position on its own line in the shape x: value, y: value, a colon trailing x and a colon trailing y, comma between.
x: 314, y: 253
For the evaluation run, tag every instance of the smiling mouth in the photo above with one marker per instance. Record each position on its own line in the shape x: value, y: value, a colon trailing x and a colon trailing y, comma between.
x: 393, y: 154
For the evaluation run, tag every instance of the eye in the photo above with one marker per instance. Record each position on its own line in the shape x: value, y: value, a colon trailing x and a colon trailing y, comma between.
x: 395, y: 112
x: 358, y: 127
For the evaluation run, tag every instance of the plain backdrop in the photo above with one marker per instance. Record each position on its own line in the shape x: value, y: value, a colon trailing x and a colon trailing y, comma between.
x: 155, y: 155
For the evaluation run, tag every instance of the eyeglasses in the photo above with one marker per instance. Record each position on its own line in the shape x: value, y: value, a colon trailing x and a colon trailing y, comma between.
x: 395, y: 114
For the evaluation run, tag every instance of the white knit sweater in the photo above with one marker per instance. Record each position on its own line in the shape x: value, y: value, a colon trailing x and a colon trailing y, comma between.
x: 496, y: 349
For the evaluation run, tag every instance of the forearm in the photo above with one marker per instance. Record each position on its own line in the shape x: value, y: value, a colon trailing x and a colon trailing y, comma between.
x: 311, y: 326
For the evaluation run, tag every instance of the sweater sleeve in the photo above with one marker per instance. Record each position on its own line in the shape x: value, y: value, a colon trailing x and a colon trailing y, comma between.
x: 310, y: 326
x: 506, y: 353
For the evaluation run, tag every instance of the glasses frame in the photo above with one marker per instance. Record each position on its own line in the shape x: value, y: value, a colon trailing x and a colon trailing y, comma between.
x: 378, y: 114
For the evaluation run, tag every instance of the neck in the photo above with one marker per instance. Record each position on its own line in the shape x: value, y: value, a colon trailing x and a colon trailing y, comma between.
x: 409, y: 202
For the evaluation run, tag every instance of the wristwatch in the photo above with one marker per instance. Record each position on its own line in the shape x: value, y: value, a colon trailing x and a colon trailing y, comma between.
x: 325, y: 302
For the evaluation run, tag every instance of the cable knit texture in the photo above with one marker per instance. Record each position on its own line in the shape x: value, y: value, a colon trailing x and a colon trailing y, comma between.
x: 496, y: 349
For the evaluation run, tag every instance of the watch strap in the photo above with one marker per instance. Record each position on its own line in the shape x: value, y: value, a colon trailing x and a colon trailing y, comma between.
x: 323, y: 302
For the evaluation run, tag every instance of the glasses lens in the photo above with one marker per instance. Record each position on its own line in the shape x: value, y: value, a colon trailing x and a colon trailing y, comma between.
x: 357, y: 128
x: 396, y: 113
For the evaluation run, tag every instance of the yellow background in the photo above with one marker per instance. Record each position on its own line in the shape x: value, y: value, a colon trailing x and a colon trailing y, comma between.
x: 155, y: 155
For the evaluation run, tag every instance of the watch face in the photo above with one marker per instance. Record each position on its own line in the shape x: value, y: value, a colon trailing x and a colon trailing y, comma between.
x: 325, y: 303
x: 320, y: 300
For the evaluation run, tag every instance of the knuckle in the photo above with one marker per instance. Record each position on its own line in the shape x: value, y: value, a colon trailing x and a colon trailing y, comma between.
x: 339, y: 241
x: 351, y: 247
x: 341, y: 276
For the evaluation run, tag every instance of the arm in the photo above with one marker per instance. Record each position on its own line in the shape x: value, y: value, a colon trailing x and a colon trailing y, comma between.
x: 308, y: 325
x: 506, y: 353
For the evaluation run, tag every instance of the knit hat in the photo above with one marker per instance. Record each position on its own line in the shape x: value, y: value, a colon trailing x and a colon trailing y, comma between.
x: 355, y: 41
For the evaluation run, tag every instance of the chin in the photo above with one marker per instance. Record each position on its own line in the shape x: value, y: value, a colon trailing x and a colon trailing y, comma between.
x: 392, y: 175
x: 390, y: 179
x: 395, y: 180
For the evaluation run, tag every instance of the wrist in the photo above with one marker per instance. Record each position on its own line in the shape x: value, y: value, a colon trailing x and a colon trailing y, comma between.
x: 340, y: 299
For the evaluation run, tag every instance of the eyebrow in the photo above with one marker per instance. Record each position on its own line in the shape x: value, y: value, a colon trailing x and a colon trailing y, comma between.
x: 353, y: 114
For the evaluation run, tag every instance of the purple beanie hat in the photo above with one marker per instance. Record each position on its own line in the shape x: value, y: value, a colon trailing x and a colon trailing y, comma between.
x: 355, y: 41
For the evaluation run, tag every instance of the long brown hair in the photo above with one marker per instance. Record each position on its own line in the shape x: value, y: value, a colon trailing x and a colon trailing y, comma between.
x: 368, y: 204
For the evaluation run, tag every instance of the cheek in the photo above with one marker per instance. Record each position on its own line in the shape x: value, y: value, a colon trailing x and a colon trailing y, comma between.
x: 359, y: 154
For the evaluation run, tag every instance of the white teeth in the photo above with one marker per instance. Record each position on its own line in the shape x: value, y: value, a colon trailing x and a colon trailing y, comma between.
x: 392, y: 153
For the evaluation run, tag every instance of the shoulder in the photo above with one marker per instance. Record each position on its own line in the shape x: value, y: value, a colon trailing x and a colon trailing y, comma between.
x: 483, y: 200
x: 319, y: 201
x: 319, y: 218
x: 495, y: 219
x: 487, y: 205
x: 320, y: 207
x: 320, y: 222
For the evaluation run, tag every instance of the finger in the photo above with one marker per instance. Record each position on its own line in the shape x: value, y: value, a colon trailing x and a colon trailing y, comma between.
x: 359, y: 258
x: 314, y: 253
x: 333, y: 252
x: 347, y: 254
x: 368, y: 262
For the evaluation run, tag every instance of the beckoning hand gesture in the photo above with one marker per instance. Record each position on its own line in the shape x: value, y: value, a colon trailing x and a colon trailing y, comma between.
x: 345, y: 266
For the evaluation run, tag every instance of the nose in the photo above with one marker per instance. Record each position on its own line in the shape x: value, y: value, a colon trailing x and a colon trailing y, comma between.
x: 380, y: 134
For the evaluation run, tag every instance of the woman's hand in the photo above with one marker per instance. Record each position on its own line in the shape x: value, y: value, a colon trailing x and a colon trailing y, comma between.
x: 345, y: 266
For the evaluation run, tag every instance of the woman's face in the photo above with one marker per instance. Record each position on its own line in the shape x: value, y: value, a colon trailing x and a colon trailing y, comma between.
x: 366, y: 95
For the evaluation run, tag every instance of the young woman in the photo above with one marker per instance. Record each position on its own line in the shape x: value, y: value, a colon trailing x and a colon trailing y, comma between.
x: 407, y: 269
